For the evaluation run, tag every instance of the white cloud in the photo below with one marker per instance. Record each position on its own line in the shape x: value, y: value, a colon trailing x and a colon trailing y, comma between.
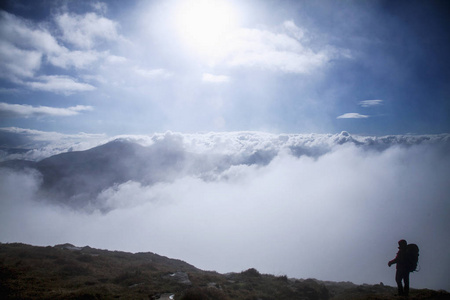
x: 59, y: 84
x: 26, y: 47
x: 16, y: 63
x: 215, y: 78
x: 353, y: 116
x: 25, y: 34
x: 268, y: 50
x: 101, y: 7
x: 24, y: 110
x: 86, y: 31
x: 294, y: 30
x: 370, y: 103
x: 114, y: 59
x: 153, y: 73
x: 77, y: 59
x: 285, y: 52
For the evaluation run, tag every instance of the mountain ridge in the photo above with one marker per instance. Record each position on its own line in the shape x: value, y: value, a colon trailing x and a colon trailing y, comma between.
x: 66, y: 271
x: 76, y: 178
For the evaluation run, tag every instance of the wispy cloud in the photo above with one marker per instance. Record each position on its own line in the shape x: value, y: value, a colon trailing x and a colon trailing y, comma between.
x: 23, y: 110
x: 293, y: 29
x: 27, y: 35
x: 26, y: 47
x: 153, y: 73
x: 77, y: 59
x: 115, y: 59
x: 85, y: 31
x: 59, y: 84
x: 353, y: 116
x: 16, y: 63
x: 215, y: 78
x: 370, y: 103
x: 23, y: 47
x: 284, y: 50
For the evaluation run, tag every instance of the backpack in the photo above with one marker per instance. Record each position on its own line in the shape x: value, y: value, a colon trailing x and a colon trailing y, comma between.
x: 412, y: 257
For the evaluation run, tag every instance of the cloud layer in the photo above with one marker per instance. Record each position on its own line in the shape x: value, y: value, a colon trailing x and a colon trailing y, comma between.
x: 326, y: 206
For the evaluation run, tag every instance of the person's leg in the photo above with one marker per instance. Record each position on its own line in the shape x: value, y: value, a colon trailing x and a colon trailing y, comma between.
x: 398, y: 279
x: 406, y: 280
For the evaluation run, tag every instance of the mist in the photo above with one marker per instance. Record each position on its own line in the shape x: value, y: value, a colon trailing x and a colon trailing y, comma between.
x: 330, y: 207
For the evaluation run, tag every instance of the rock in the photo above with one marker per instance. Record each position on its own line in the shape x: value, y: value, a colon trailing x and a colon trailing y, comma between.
x: 180, y: 277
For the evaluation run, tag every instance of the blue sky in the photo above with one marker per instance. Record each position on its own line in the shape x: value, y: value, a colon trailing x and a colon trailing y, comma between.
x: 138, y: 67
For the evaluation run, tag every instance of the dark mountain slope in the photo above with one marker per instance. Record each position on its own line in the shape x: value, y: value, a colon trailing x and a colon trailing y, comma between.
x: 76, y: 178
x: 18, y: 165
x: 86, y: 173
x: 69, y: 272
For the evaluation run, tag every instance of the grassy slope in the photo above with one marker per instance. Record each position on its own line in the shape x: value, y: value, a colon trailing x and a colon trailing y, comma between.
x: 29, y: 272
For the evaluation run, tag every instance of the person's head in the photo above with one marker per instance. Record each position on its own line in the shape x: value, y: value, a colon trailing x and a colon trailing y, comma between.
x: 402, y: 244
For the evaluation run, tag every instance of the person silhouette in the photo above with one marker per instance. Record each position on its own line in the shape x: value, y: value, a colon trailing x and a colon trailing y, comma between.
x: 402, y: 273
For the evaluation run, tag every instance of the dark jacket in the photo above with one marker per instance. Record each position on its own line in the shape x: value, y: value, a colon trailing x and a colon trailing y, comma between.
x: 400, y: 260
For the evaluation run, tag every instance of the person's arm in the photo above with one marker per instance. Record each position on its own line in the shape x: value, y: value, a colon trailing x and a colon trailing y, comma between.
x: 394, y: 261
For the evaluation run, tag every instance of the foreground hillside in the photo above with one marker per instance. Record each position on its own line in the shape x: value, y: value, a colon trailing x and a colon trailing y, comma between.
x: 69, y: 272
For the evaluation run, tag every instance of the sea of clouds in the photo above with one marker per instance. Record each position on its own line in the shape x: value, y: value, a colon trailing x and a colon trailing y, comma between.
x: 324, y: 206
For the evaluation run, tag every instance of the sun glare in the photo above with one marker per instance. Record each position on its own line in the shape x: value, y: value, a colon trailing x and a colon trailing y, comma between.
x: 204, y: 23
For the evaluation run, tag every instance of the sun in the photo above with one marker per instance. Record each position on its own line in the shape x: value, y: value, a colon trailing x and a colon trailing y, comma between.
x: 203, y: 24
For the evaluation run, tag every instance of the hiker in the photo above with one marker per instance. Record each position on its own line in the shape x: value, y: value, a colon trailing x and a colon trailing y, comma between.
x: 402, y: 272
